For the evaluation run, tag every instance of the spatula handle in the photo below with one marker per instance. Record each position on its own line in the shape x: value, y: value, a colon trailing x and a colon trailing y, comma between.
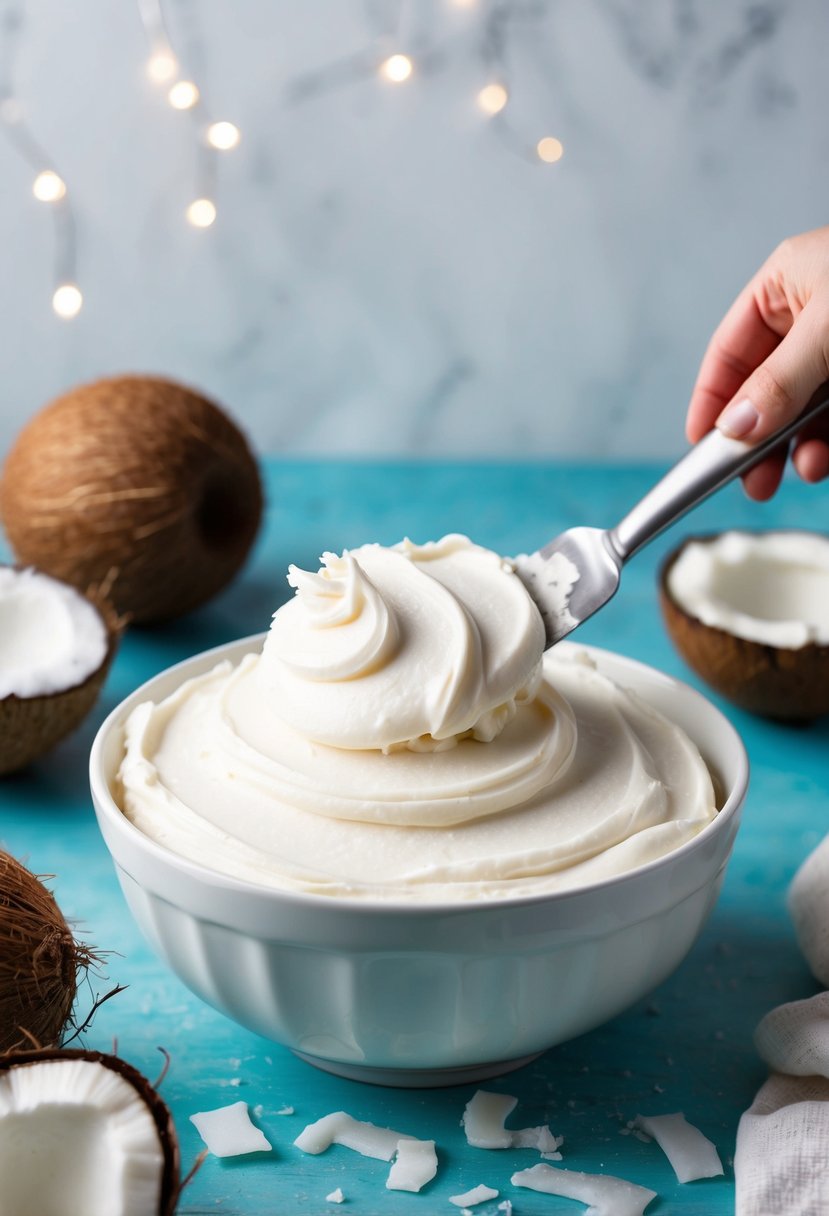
x: 713, y: 462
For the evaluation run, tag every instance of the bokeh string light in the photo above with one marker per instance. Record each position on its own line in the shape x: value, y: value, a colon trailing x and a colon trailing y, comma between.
x: 48, y: 186
x: 394, y: 66
x: 184, y: 94
x: 488, y: 23
x: 495, y: 97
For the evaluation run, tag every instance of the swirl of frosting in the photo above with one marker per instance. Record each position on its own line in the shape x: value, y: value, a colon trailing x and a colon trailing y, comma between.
x: 400, y: 734
x: 343, y: 628
x: 415, y: 646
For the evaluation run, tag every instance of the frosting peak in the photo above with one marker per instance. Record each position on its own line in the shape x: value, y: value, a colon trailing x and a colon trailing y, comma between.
x: 412, y: 646
x: 340, y: 627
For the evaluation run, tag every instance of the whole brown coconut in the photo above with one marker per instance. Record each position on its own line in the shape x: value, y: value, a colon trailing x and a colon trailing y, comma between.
x: 40, y: 961
x: 773, y: 681
x: 137, y: 483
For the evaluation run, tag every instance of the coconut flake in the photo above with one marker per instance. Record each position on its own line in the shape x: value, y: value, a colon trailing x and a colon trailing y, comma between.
x: 51, y: 637
x: 340, y: 1128
x: 478, y: 1194
x: 606, y: 1195
x: 335, y: 1196
x: 691, y: 1154
x: 484, y: 1117
x: 415, y: 1164
x: 416, y: 1160
x: 228, y: 1131
x: 483, y: 1121
x: 537, y: 1137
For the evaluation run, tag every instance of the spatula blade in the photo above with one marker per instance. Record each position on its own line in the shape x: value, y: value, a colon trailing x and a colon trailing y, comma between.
x: 570, y: 578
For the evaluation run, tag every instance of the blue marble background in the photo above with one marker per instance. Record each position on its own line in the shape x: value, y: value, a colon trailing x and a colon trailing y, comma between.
x: 390, y: 271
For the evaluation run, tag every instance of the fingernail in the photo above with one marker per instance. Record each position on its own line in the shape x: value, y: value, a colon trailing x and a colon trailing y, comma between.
x: 738, y: 419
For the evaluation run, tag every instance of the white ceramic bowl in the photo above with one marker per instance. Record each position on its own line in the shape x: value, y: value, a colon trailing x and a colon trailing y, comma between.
x: 409, y: 994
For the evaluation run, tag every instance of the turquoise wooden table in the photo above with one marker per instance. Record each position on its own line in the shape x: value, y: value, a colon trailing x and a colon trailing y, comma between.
x: 687, y: 1047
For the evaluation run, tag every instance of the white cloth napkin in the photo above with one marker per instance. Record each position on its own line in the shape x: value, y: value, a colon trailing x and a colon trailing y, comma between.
x: 781, y: 1164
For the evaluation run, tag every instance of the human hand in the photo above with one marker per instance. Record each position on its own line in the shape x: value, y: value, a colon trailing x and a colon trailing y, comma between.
x: 767, y: 357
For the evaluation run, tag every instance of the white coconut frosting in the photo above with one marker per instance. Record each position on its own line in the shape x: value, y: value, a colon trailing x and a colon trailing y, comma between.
x: 400, y: 736
x: 770, y: 587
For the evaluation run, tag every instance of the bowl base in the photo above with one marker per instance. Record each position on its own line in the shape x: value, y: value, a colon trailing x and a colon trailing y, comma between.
x: 418, y: 1078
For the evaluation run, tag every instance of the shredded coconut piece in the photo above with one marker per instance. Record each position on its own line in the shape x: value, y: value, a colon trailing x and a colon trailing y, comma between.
x: 537, y: 1137
x: 478, y: 1194
x: 416, y: 1164
x: 691, y: 1154
x: 340, y: 1128
x: 285, y: 1110
x: 483, y: 1121
x: 228, y: 1131
x: 335, y: 1196
x: 606, y: 1195
x: 484, y: 1117
x: 506, y: 1207
x: 416, y: 1161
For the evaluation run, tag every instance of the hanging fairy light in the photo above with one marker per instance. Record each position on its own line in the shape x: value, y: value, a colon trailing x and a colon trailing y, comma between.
x: 223, y: 136
x: 67, y: 300
x: 549, y: 149
x: 396, y: 68
x: 162, y: 66
x: 201, y: 213
x: 48, y: 186
x: 492, y: 98
x: 185, y: 94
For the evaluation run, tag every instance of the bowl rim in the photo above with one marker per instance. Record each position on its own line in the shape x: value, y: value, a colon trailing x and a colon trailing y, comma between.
x: 107, y: 808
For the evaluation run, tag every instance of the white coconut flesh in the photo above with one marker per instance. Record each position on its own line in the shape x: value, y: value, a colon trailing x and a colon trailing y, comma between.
x: 76, y: 1139
x: 51, y: 637
x: 769, y: 587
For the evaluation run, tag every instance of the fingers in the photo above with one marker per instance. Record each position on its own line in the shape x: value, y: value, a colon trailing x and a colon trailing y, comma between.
x: 761, y: 482
x: 741, y: 342
x: 812, y: 460
x: 780, y: 388
x: 766, y: 359
x: 811, y: 451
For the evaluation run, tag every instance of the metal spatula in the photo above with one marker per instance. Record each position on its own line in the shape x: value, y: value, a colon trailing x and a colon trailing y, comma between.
x: 577, y: 573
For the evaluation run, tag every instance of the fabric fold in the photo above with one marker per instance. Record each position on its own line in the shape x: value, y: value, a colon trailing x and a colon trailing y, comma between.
x: 781, y: 1164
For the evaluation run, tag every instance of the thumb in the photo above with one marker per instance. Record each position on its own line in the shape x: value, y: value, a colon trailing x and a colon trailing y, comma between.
x: 781, y: 387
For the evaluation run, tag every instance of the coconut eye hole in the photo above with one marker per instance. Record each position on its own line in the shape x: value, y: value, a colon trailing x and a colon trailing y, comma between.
x: 222, y: 513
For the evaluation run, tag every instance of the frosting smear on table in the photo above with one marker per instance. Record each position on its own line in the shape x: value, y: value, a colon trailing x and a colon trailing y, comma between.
x: 401, y: 736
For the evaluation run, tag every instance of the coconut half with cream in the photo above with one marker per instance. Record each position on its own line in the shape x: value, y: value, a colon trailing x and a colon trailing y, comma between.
x: 56, y: 646
x: 749, y: 612
x: 81, y: 1131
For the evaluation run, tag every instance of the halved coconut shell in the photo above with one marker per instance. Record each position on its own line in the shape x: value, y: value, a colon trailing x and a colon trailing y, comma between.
x: 790, y: 684
x: 32, y: 725
x: 105, y: 1102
